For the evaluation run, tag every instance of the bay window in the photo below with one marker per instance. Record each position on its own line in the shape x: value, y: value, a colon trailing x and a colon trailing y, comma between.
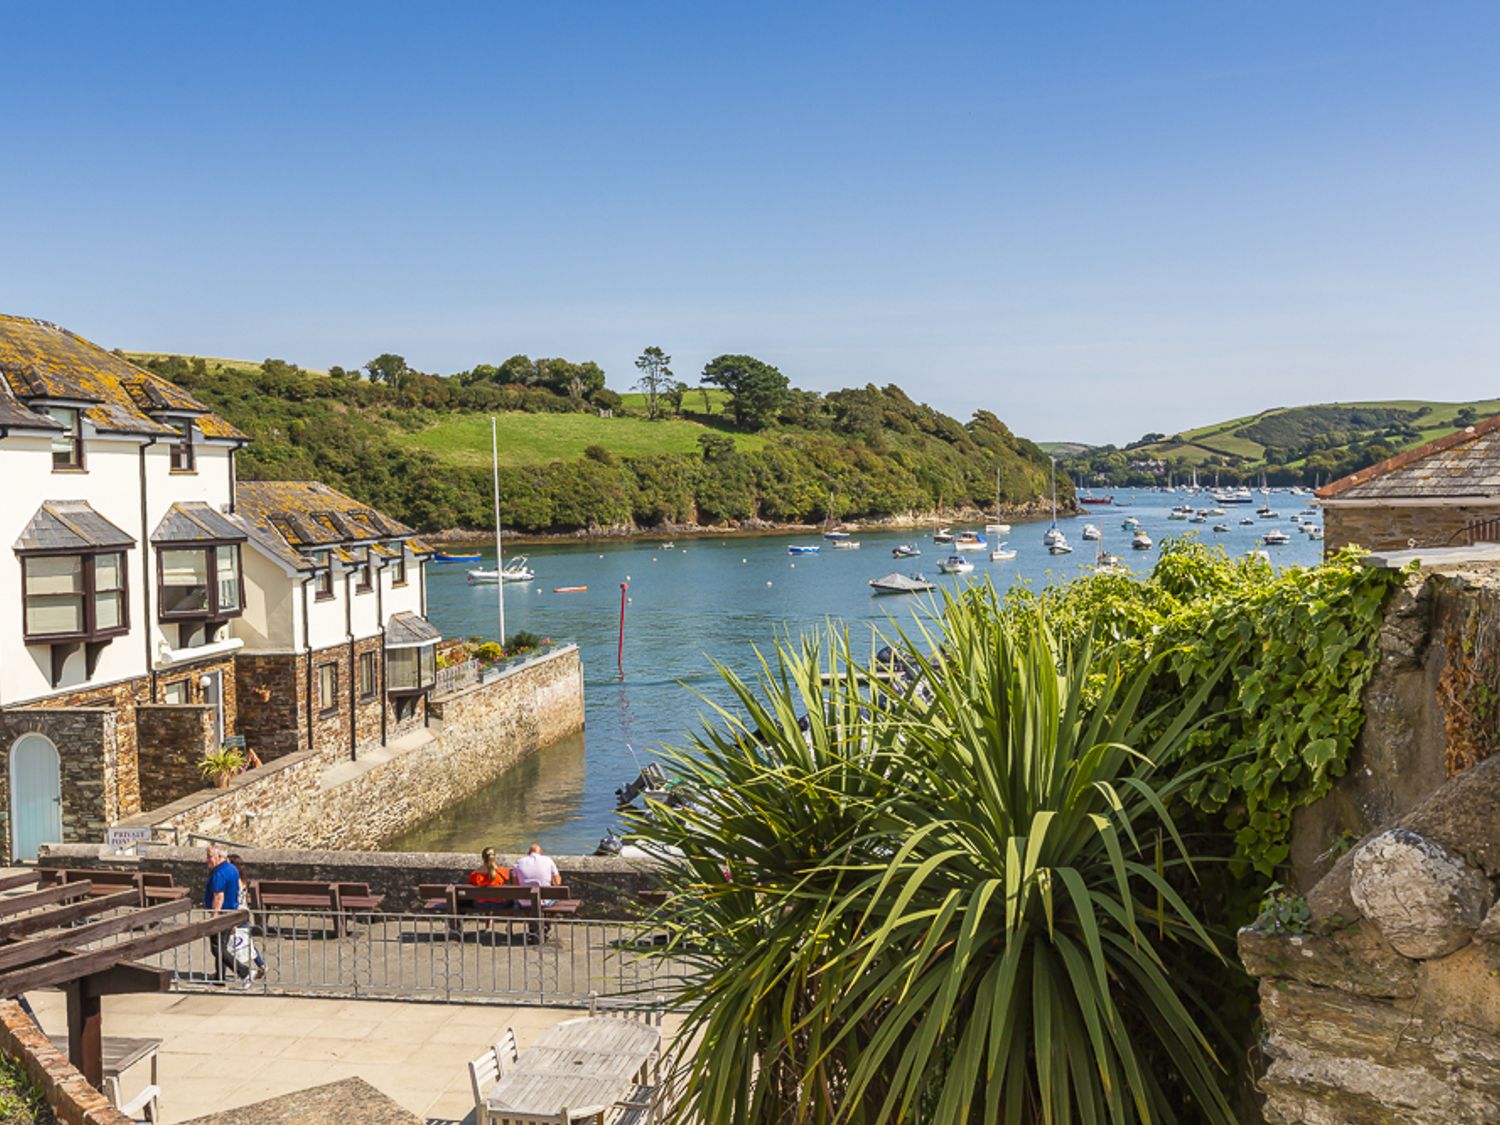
x: 74, y: 597
x: 200, y: 581
x: 411, y: 669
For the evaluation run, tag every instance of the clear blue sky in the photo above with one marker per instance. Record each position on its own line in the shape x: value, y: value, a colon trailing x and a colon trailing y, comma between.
x: 1093, y: 219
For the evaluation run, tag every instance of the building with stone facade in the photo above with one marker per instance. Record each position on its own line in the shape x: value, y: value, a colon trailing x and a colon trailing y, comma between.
x: 153, y: 606
x: 1445, y: 493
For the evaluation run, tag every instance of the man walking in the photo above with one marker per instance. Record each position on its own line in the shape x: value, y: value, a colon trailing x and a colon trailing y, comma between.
x: 222, y: 892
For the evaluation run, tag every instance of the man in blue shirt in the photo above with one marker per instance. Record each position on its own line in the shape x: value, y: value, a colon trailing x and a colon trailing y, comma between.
x: 222, y: 892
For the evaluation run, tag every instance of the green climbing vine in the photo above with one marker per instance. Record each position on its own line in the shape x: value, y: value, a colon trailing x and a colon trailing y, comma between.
x: 1293, y: 650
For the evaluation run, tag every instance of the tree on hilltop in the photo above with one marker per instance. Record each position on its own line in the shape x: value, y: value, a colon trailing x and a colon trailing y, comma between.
x: 388, y: 369
x: 656, y: 376
x: 756, y: 389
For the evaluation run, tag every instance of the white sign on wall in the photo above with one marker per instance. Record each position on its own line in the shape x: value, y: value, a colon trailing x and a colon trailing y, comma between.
x: 121, y: 838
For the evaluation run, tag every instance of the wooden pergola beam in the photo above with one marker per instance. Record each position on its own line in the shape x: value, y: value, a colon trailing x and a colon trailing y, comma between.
x: 24, y: 879
x: 66, y: 940
x: 62, y: 892
x: 72, y: 965
x: 58, y: 915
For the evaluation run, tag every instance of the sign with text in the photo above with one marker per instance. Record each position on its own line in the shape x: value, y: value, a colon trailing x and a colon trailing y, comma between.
x: 121, y: 838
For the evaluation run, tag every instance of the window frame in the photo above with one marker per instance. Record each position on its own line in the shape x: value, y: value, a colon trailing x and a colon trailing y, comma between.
x: 210, y: 550
x: 183, y: 449
x: 330, y: 705
x: 323, y: 578
x: 72, y: 434
x: 399, y: 576
x: 426, y: 678
x: 364, y: 574
x: 366, y: 661
x: 88, y: 591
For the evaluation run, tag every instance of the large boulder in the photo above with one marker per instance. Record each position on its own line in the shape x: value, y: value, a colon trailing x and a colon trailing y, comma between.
x: 1425, y: 899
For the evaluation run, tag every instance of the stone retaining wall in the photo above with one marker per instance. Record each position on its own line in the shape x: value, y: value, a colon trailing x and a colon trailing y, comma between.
x: 608, y: 886
x: 171, y: 739
x: 301, y: 800
x: 73, y: 1100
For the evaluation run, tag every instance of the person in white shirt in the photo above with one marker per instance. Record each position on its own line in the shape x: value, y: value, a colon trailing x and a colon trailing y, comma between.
x: 536, y: 870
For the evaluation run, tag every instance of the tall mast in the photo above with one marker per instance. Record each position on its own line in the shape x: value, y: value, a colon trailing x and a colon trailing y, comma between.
x: 1054, y: 491
x: 499, y: 554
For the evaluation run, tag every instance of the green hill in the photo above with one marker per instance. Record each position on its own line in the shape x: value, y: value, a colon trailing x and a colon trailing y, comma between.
x: 1291, y: 445
x: 575, y: 455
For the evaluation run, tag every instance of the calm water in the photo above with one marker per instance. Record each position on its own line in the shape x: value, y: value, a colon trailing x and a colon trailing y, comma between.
x: 714, y: 599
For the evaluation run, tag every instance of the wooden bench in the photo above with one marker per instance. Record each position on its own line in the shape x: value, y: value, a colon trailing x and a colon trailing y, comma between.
x: 338, y: 899
x: 155, y: 886
x: 464, y: 900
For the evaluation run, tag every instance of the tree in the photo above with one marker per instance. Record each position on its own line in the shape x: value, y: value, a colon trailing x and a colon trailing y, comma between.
x: 674, y: 395
x: 387, y: 369
x: 656, y: 375
x: 756, y: 389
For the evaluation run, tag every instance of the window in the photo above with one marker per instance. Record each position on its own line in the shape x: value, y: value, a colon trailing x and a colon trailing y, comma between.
x: 398, y: 569
x: 328, y: 688
x: 200, y: 581
x: 175, y: 692
x: 368, y: 683
x: 74, y: 597
x: 411, y: 669
x: 67, y: 447
x: 362, y: 583
x: 323, y: 588
x: 183, y: 455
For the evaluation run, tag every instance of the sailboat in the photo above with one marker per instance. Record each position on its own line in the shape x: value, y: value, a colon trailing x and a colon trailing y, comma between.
x: 1053, y: 534
x: 997, y: 528
x: 834, y: 531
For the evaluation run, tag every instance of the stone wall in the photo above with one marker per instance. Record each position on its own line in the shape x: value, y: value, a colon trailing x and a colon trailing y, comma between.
x: 122, y: 698
x: 87, y: 746
x: 271, y: 691
x: 72, y: 1100
x: 1393, y: 528
x: 171, y: 740
x: 608, y: 886
x: 1387, y: 1007
x: 306, y: 800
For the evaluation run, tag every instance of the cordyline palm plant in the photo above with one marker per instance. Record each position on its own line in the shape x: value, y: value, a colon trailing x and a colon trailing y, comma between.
x: 946, y: 900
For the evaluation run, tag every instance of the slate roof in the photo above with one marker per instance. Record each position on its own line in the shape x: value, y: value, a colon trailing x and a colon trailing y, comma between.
x: 294, y: 519
x: 70, y: 525
x: 1462, y: 465
x: 194, y: 521
x: 39, y: 360
x: 408, y: 630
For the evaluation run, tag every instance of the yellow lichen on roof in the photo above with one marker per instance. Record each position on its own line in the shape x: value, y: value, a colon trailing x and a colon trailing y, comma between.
x: 309, y: 513
x: 39, y: 360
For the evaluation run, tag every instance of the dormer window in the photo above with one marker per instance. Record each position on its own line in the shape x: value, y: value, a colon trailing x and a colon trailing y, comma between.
x: 67, y: 446
x: 362, y: 572
x: 183, y: 455
x: 398, y: 568
x: 323, y: 584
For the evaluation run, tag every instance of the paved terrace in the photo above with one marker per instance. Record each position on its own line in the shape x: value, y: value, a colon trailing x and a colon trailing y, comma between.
x: 230, y: 1049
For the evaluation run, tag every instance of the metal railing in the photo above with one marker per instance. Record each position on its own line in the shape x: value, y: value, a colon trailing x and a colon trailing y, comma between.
x: 456, y: 676
x: 459, y: 676
x: 470, y: 958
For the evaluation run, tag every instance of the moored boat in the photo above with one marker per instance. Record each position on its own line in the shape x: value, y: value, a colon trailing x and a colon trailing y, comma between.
x: 1221, y: 527
x: 1001, y: 553
x: 956, y: 564
x: 1060, y: 546
x: 1092, y: 532
x: 905, y: 551
x: 969, y: 541
x: 515, y: 570
x: 897, y: 583
x: 1276, y: 537
x: 445, y: 557
x: 942, y: 535
x: 846, y: 544
x: 1140, y: 541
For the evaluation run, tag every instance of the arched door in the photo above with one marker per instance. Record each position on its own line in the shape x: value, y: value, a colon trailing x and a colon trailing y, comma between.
x: 35, y: 796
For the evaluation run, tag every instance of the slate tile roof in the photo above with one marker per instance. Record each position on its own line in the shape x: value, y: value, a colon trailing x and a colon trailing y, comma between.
x: 408, y: 630
x: 39, y: 360
x: 1461, y: 465
x: 70, y: 525
x: 294, y: 519
x: 194, y: 521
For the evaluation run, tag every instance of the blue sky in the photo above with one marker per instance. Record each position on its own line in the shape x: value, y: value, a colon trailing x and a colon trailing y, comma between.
x: 1092, y: 219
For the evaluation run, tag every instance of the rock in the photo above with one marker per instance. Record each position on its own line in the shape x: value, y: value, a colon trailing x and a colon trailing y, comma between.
x: 1489, y: 929
x: 1464, y: 814
x: 1424, y: 898
x: 1356, y: 960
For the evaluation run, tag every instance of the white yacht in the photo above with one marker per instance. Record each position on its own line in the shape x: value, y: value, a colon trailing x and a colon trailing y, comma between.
x: 1092, y: 532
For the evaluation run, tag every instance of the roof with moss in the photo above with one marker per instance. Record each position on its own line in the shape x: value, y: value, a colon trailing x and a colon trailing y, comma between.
x: 295, y: 519
x: 40, y: 362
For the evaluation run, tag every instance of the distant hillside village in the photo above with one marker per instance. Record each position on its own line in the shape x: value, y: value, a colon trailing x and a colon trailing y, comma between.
x: 168, y: 621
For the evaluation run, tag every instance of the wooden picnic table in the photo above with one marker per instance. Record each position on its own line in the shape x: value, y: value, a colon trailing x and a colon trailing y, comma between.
x: 580, y: 1064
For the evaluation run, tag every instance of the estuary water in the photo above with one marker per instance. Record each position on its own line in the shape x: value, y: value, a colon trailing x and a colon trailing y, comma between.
x: 713, y: 599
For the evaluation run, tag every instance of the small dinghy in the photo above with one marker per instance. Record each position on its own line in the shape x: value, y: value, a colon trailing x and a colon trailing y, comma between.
x: 797, y: 549
x: 569, y: 589
x: 445, y: 557
x: 905, y: 551
x: 897, y: 583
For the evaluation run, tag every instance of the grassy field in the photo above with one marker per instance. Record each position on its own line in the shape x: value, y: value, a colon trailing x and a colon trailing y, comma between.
x: 211, y: 360
x: 1197, y: 445
x: 532, y: 439
x: 692, y: 402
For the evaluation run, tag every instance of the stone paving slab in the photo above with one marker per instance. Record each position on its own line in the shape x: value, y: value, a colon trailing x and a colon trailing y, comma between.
x: 337, y: 1103
x: 222, y: 1051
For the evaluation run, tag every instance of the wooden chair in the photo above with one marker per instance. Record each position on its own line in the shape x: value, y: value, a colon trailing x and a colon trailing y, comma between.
x: 488, y: 1069
x: 146, y: 1104
x: 642, y: 1107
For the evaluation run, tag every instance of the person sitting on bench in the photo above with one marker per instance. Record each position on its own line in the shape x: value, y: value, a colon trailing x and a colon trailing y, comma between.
x: 537, y: 870
x: 491, y: 874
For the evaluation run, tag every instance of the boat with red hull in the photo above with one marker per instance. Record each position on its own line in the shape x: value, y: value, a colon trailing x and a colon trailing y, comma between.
x: 1096, y: 499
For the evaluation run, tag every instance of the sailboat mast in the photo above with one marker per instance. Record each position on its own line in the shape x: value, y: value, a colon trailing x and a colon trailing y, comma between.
x: 499, y: 554
x: 1054, y: 491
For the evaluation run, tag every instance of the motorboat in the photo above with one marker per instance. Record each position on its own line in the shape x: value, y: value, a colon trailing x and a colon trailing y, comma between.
x: 1276, y: 537
x: 942, y: 535
x: 1247, y: 522
x: 1215, y: 511
x: 1199, y: 518
x: 1106, y: 563
x: 1092, y: 532
x: 445, y: 557
x: 1234, y: 496
x: 1090, y: 498
x: 1060, y: 546
x: 1266, y: 512
x: 897, y: 583
x: 1001, y: 554
x: 515, y: 570
x: 1315, y: 533
x: 1296, y: 518
x: 997, y: 529
x: 969, y: 541
x: 835, y: 535
x: 1221, y: 527
x: 846, y: 544
x: 1140, y: 541
x: 905, y: 551
x: 1264, y: 556
x: 1129, y: 523
x: 1177, y: 514
x: 801, y: 549
x: 956, y: 564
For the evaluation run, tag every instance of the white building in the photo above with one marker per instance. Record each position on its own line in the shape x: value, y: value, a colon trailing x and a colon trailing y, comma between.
x: 151, y: 606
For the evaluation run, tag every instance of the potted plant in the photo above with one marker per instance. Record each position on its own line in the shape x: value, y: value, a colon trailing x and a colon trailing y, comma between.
x: 218, y: 766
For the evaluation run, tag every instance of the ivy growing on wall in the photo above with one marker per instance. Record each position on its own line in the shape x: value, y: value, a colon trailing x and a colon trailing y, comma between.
x: 1293, y: 651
